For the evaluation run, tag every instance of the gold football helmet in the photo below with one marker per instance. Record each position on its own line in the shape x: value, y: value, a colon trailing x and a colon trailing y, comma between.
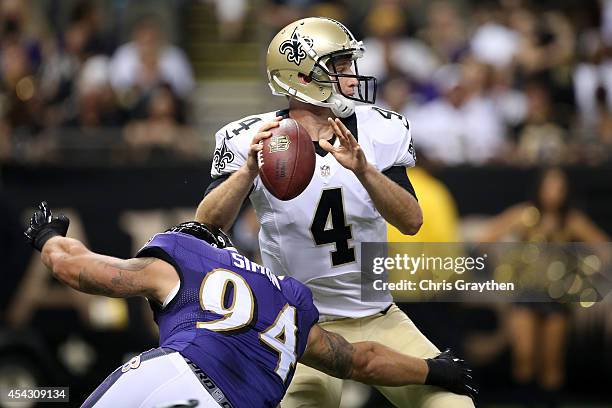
x: 301, y: 64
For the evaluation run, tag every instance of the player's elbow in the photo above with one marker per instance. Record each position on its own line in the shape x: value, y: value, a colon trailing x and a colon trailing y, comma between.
x: 416, y: 227
x: 412, y: 225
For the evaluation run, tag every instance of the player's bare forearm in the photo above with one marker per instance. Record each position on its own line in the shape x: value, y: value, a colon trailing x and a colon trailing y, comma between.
x: 57, y: 255
x: 367, y: 362
x: 222, y: 205
x: 329, y: 352
x: 396, y: 205
x: 379, y: 365
x: 86, y: 271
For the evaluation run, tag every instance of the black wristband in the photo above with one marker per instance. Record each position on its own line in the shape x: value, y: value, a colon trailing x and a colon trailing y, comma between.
x: 43, y: 236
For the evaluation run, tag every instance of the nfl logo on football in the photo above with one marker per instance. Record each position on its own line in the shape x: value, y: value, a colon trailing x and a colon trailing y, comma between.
x: 279, y: 143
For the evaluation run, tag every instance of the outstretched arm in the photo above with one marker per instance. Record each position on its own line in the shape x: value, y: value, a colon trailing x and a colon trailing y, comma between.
x: 372, y: 363
x: 75, y: 265
x: 368, y: 362
x: 78, y: 267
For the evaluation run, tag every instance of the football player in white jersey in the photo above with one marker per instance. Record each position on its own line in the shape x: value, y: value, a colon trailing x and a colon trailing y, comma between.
x: 360, y: 182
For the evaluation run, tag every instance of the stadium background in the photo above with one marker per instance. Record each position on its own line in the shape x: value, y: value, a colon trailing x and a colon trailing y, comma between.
x: 108, y: 110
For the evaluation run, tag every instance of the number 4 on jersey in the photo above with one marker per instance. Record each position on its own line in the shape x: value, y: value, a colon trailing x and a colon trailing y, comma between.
x: 387, y: 114
x: 245, y: 125
x: 281, y: 337
x: 329, y: 227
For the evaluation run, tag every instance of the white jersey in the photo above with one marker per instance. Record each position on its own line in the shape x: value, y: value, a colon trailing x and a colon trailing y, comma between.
x: 315, y: 237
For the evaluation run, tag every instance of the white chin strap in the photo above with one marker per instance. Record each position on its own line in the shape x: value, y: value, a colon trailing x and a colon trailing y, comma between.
x: 340, y: 106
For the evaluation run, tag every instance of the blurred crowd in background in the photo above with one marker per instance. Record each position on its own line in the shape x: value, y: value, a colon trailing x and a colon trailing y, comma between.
x: 510, y: 82
x: 69, y: 77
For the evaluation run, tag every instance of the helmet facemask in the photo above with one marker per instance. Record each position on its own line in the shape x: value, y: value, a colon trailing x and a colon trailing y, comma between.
x: 329, y: 65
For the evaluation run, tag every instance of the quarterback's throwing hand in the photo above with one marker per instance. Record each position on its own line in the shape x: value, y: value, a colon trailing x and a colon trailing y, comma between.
x: 349, y: 153
x: 263, y: 133
x: 44, y: 226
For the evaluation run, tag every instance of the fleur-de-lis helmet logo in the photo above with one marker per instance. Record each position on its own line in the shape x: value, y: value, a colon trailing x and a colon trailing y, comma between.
x: 292, y: 48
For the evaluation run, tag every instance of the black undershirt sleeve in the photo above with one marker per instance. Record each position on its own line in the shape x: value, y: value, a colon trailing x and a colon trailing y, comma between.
x: 399, y: 175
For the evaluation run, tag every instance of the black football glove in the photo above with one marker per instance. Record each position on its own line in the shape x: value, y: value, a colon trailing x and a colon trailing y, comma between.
x: 450, y: 372
x: 44, y: 226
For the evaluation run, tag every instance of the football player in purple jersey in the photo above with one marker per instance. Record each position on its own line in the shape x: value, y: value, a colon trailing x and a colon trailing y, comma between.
x: 231, y: 332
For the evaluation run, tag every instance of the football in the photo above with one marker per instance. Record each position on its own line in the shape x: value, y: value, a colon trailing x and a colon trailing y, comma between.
x: 287, y: 161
